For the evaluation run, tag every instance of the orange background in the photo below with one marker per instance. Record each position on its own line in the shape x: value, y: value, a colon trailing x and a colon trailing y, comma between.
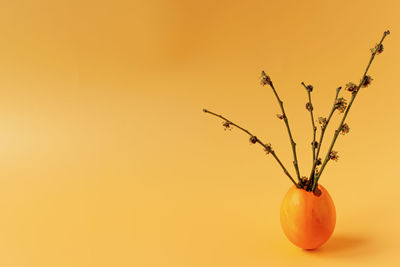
x: 107, y: 160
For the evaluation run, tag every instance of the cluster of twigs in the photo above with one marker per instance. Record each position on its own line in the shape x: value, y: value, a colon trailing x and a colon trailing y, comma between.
x: 339, y: 104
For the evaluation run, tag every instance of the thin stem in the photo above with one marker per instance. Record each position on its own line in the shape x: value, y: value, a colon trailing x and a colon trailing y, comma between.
x: 295, y: 162
x: 267, y: 148
x: 327, y: 157
x: 310, y: 108
x: 283, y: 167
x: 323, y: 129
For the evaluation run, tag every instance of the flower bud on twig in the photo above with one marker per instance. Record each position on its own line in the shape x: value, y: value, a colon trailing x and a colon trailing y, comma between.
x: 314, y: 144
x: 268, y: 148
x: 366, y: 81
x: 377, y: 49
x: 227, y: 125
x: 309, y: 106
x: 265, y: 79
x: 280, y: 116
x: 351, y: 87
x: 334, y: 155
x: 345, y: 129
x: 322, y: 121
x: 253, y: 139
x: 341, y: 104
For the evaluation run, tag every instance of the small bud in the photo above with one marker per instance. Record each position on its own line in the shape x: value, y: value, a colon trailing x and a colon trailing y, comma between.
x: 322, y: 121
x: 387, y: 32
x: 253, y: 139
x: 319, y: 162
x: 314, y: 144
x: 366, y: 81
x: 345, y: 129
x: 341, y: 104
x: 309, y: 88
x: 377, y: 49
x: 309, y: 106
x: 265, y: 79
x: 351, y: 87
x: 227, y: 125
x: 280, y: 116
x: 334, y: 155
x: 268, y: 148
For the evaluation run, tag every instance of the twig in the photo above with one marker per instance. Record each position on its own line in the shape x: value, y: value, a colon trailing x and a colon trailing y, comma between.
x: 266, y: 147
x: 337, y: 131
x: 314, y: 145
x: 323, y: 129
x: 295, y: 162
x: 310, y: 107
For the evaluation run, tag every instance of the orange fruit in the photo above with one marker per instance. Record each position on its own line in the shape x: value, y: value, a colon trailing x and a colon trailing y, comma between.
x: 308, y: 220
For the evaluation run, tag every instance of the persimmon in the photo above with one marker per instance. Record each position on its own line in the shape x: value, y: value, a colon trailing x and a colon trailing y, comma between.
x: 308, y: 219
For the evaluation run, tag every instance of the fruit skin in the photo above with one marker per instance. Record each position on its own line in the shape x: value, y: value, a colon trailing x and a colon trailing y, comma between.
x: 306, y: 219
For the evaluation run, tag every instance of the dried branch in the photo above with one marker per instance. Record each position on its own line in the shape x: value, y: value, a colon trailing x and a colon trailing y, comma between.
x: 255, y: 139
x: 310, y: 108
x: 323, y: 129
x: 365, y: 80
x: 265, y: 79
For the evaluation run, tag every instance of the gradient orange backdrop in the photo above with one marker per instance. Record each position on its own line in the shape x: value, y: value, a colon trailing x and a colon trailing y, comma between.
x: 107, y: 160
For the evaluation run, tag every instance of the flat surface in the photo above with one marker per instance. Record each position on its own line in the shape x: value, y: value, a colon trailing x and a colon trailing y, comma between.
x: 107, y: 160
